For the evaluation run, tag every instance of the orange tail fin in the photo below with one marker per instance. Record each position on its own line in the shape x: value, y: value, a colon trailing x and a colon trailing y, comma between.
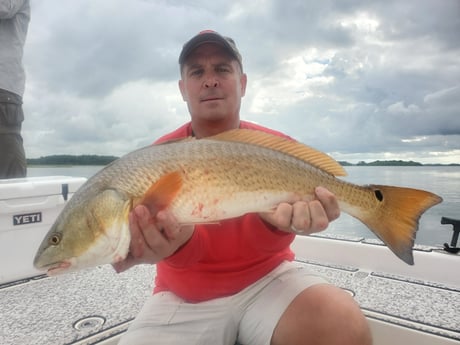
x: 395, y: 220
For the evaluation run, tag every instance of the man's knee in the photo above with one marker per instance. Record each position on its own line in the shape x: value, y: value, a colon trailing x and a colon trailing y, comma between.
x: 322, y: 314
x: 347, y: 318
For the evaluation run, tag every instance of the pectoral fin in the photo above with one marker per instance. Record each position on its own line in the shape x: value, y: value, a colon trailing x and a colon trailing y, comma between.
x: 161, y: 193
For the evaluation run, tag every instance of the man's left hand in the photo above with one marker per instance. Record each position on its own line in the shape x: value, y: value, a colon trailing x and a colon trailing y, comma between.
x: 305, y: 217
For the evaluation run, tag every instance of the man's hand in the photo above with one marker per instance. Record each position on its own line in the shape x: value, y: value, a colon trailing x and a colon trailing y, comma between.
x: 153, y: 238
x: 305, y: 217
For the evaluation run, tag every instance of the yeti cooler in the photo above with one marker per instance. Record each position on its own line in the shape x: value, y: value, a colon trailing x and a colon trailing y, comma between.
x: 28, y: 208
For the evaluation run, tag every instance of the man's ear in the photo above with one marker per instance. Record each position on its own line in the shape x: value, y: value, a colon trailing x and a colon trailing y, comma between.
x: 182, y: 90
x: 243, y: 82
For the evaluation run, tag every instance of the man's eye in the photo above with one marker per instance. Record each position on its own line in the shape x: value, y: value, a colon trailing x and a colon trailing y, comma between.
x: 196, y: 72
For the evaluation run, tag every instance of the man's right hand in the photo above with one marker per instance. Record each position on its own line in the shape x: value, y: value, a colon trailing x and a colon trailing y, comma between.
x: 153, y: 238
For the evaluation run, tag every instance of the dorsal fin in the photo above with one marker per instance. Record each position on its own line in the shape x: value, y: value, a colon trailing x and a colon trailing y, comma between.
x: 176, y: 140
x: 284, y: 145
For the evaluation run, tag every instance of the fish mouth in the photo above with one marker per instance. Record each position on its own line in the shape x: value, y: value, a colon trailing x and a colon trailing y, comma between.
x: 57, y: 268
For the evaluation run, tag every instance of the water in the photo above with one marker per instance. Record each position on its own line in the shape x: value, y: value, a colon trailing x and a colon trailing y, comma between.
x: 77, y: 170
x: 444, y: 181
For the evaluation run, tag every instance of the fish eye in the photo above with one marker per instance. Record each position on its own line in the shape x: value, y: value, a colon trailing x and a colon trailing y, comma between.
x: 55, y: 239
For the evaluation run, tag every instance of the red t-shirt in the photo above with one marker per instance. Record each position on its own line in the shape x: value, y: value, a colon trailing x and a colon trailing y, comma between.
x: 222, y: 259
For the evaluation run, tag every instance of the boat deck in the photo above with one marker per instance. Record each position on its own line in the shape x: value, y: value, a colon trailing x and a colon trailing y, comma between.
x: 95, y: 306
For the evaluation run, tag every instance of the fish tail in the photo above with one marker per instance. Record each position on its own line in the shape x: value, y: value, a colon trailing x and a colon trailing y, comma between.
x: 395, y: 219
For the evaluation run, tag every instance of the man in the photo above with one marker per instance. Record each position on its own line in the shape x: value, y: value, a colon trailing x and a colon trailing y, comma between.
x: 234, y: 281
x: 14, y: 21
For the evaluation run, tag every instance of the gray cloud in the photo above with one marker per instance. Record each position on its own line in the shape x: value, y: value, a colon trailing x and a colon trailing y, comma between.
x: 359, y: 79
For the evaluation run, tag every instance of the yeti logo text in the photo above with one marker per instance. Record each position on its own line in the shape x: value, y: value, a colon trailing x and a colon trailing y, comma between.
x: 29, y: 218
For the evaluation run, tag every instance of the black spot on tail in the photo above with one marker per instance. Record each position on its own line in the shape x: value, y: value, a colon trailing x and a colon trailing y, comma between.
x: 378, y: 194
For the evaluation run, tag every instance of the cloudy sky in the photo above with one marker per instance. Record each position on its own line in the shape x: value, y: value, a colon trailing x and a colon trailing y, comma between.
x: 360, y: 80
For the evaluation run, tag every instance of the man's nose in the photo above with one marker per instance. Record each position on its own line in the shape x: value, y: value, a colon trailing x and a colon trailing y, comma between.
x: 211, y: 81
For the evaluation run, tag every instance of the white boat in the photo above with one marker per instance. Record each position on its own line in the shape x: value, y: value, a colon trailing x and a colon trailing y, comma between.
x: 404, y: 304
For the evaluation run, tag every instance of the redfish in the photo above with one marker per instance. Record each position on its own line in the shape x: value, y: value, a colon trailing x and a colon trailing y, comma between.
x: 215, y: 178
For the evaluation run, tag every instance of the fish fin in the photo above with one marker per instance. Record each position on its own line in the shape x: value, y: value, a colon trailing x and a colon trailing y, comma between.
x: 395, y: 220
x: 176, y: 140
x: 288, y: 146
x: 162, y: 192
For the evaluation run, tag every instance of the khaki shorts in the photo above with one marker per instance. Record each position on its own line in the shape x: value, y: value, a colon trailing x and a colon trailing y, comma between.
x: 248, y: 318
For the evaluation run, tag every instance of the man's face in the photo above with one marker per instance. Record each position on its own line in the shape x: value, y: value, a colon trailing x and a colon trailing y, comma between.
x: 212, y: 84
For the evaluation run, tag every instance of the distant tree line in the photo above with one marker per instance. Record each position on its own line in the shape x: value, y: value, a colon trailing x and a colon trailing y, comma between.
x: 104, y: 160
x: 397, y: 163
x: 390, y: 163
x: 71, y: 160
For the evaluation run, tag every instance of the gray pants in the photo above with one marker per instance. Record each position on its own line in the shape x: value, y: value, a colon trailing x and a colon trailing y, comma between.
x: 12, y: 156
